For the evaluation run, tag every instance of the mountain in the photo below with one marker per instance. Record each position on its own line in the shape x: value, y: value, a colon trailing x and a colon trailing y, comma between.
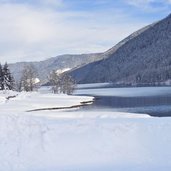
x: 142, y: 58
x: 58, y: 63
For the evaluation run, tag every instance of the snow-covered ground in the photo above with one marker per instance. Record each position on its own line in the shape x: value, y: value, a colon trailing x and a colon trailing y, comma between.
x: 79, y: 140
x: 30, y: 101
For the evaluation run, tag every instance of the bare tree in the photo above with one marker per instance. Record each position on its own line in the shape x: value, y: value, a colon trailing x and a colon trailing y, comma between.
x: 54, y: 80
x: 67, y: 84
x: 28, y: 78
x: 61, y: 83
x: 18, y: 85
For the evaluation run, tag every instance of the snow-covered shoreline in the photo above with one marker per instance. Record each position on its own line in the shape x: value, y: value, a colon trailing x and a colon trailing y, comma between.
x: 25, y: 101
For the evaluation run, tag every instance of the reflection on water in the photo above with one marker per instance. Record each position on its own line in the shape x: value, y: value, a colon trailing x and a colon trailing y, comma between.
x: 154, y: 101
x: 122, y: 102
x: 155, y: 106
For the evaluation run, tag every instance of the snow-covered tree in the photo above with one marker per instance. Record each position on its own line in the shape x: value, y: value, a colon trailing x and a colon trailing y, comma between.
x: 67, y: 84
x: 55, y: 82
x: 1, y: 78
x: 7, y: 78
x: 28, y: 78
x: 61, y: 83
x: 18, y: 85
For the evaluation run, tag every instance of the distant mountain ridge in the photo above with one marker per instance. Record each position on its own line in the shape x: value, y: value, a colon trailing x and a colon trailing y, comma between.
x: 56, y: 63
x: 142, y: 58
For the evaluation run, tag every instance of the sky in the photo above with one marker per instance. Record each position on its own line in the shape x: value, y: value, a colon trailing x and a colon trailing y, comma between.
x: 34, y: 30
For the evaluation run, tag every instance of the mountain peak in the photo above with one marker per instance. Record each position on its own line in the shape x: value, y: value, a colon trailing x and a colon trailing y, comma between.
x: 169, y: 16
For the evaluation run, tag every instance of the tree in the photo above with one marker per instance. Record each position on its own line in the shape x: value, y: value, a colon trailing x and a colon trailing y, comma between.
x: 18, y: 85
x: 55, y: 82
x: 28, y: 78
x: 8, y: 82
x: 61, y: 83
x: 67, y: 84
x: 1, y: 78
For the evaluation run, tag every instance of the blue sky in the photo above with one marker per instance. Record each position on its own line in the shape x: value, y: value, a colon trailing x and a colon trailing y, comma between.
x: 39, y: 29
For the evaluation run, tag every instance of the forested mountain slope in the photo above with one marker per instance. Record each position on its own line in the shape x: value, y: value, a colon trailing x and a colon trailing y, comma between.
x: 142, y: 58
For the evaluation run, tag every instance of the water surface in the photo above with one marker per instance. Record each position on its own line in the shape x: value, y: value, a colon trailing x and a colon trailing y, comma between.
x: 155, y: 101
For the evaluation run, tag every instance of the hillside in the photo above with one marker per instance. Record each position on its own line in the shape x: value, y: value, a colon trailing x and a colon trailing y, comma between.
x: 142, y: 58
x: 56, y: 63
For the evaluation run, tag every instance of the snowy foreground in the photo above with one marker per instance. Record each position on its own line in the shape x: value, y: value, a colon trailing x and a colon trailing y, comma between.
x: 73, y: 140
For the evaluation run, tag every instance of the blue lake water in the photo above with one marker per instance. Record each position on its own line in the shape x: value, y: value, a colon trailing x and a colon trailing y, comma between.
x: 155, y: 101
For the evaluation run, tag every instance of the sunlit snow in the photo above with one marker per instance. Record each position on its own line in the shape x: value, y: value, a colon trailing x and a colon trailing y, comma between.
x: 71, y: 140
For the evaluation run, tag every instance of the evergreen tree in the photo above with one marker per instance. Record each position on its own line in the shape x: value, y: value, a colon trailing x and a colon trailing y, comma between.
x: 1, y: 78
x: 8, y: 80
x: 12, y: 82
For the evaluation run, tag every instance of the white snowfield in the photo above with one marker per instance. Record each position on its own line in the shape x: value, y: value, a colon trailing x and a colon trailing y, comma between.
x: 78, y: 140
x: 35, y: 100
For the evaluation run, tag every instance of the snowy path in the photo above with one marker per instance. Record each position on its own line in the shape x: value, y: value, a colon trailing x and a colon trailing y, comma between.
x: 82, y: 141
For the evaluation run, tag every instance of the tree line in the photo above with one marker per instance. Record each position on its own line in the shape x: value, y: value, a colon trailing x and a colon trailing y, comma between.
x: 60, y: 83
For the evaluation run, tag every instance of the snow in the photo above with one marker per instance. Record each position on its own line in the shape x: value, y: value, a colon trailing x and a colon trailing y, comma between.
x: 36, y: 80
x: 60, y: 71
x: 79, y: 140
x: 35, y: 100
x: 5, y: 94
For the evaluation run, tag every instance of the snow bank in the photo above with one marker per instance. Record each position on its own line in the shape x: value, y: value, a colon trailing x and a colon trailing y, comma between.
x: 6, y: 94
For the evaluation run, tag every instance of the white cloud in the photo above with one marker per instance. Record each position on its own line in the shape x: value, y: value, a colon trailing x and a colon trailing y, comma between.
x: 169, y: 1
x: 148, y: 4
x: 139, y: 3
x: 28, y: 33
x: 52, y: 2
x: 48, y: 3
x: 43, y: 2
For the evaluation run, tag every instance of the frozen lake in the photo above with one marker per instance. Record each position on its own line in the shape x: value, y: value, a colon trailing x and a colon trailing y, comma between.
x: 155, y: 101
